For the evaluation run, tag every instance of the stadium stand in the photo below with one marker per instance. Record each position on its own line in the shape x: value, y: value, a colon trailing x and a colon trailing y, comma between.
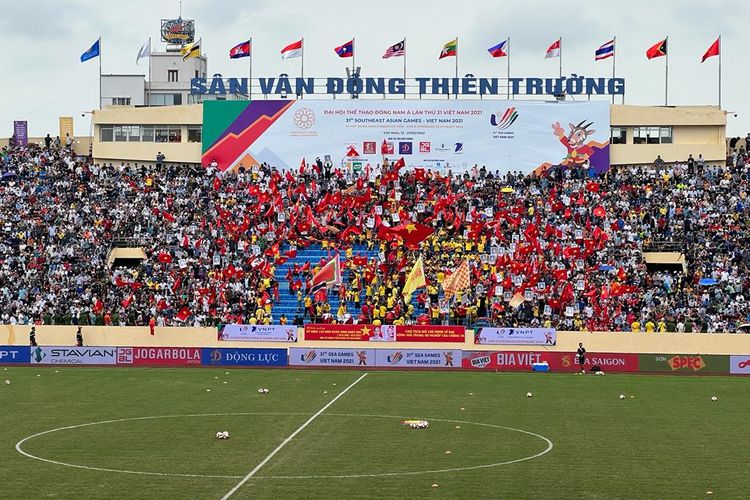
x: 243, y: 246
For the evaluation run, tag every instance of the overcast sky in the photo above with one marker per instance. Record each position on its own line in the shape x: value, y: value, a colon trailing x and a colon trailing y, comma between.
x: 43, y: 39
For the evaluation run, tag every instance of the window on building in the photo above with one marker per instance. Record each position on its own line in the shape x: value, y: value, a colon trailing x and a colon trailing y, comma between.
x: 195, y: 133
x: 106, y: 133
x: 121, y: 101
x: 167, y: 133
x: 652, y: 135
x: 121, y: 133
x: 171, y: 75
x: 618, y: 135
x: 147, y: 133
x: 164, y: 99
x: 134, y: 134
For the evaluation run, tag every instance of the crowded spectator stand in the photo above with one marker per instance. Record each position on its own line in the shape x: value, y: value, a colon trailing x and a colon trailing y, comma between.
x: 560, y: 248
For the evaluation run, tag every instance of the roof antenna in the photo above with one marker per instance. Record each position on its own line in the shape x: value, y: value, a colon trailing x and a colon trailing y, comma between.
x: 180, y: 9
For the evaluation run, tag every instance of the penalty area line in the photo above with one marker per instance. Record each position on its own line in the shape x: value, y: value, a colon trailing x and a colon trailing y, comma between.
x: 287, y: 440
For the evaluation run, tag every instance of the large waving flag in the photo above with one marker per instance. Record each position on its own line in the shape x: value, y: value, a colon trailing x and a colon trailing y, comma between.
x: 657, y: 50
x: 416, y: 279
x: 396, y: 50
x: 450, y: 49
x: 93, y: 52
x: 240, y: 50
x: 605, y: 50
x: 553, y: 50
x: 499, y: 50
x: 294, y: 49
x: 346, y: 50
x: 329, y: 275
x: 713, y: 50
x: 191, y: 50
x: 145, y: 51
x: 459, y: 280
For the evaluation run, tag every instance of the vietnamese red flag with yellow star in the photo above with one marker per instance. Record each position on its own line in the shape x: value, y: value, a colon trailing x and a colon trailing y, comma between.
x: 412, y: 233
x: 415, y: 280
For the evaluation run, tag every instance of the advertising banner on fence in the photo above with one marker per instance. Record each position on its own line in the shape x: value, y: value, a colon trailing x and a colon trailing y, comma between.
x: 684, y: 363
x: 558, y: 361
x: 48, y: 355
x: 737, y: 364
x: 524, y: 336
x: 437, y: 134
x: 243, y: 357
x: 258, y: 333
x: 409, y: 358
x: 14, y: 354
x: 430, y: 333
x: 361, y: 358
x: 160, y: 356
x: 351, y: 333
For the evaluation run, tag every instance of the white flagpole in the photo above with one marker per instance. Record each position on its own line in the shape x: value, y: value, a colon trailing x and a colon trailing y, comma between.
x: 719, y: 71
x: 100, y: 72
x: 560, y: 40
x: 302, y: 65
x: 508, y: 51
x: 148, y: 94
x: 614, y: 56
x: 456, y: 65
x: 666, y: 73
x: 404, y: 42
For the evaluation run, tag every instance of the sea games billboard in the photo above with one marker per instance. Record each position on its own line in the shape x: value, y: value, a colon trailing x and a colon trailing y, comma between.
x: 440, y: 135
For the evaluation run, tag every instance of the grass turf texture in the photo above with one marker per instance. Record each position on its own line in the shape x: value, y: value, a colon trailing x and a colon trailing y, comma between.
x: 669, y: 441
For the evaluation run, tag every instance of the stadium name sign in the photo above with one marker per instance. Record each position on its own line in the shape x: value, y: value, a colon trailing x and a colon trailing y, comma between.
x: 573, y: 85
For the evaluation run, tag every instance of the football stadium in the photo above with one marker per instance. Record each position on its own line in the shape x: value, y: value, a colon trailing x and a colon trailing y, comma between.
x: 459, y: 277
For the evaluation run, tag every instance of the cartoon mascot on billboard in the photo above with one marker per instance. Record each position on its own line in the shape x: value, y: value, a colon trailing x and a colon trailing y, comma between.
x: 580, y: 150
x: 575, y: 142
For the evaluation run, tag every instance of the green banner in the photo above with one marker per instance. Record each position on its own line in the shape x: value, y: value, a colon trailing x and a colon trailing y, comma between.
x: 683, y: 363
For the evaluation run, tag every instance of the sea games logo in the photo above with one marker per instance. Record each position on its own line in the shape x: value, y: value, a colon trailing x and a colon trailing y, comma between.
x: 506, y: 120
x: 503, y: 122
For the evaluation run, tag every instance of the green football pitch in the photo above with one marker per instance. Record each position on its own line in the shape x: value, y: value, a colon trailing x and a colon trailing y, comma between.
x: 151, y: 434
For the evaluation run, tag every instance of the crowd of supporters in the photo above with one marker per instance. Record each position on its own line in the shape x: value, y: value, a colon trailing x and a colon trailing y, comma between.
x: 561, y: 249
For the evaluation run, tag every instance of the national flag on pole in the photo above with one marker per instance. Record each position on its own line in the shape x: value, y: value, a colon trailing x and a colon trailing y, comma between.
x: 553, y: 50
x: 416, y: 279
x: 346, y: 50
x: 145, y: 51
x: 92, y: 52
x: 294, y: 49
x: 605, y: 51
x: 713, y: 50
x: 498, y: 50
x: 450, y: 49
x: 240, y: 50
x: 657, y: 50
x: 191, y: 50
x: 396, y: 50
x: 459, y: 280
x: 329, y: 275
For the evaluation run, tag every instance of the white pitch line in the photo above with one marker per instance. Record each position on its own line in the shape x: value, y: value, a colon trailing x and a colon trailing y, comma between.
x: 287, y: 440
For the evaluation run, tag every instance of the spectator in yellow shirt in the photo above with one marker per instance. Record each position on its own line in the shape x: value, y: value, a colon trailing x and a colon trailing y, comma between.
x: 650, y: 326
x: 635, y: 327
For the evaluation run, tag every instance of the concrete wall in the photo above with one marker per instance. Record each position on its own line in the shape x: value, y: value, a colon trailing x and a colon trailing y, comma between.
x: 657, y: 343
x: 695, y: 130
x: 181, y: 152
x: 123, y: 86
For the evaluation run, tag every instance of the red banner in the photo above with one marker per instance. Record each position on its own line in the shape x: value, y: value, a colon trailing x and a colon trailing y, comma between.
x: 558, y: 361
x: 430, y: 333
x: 164, y: 356
x: 350, y: 333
